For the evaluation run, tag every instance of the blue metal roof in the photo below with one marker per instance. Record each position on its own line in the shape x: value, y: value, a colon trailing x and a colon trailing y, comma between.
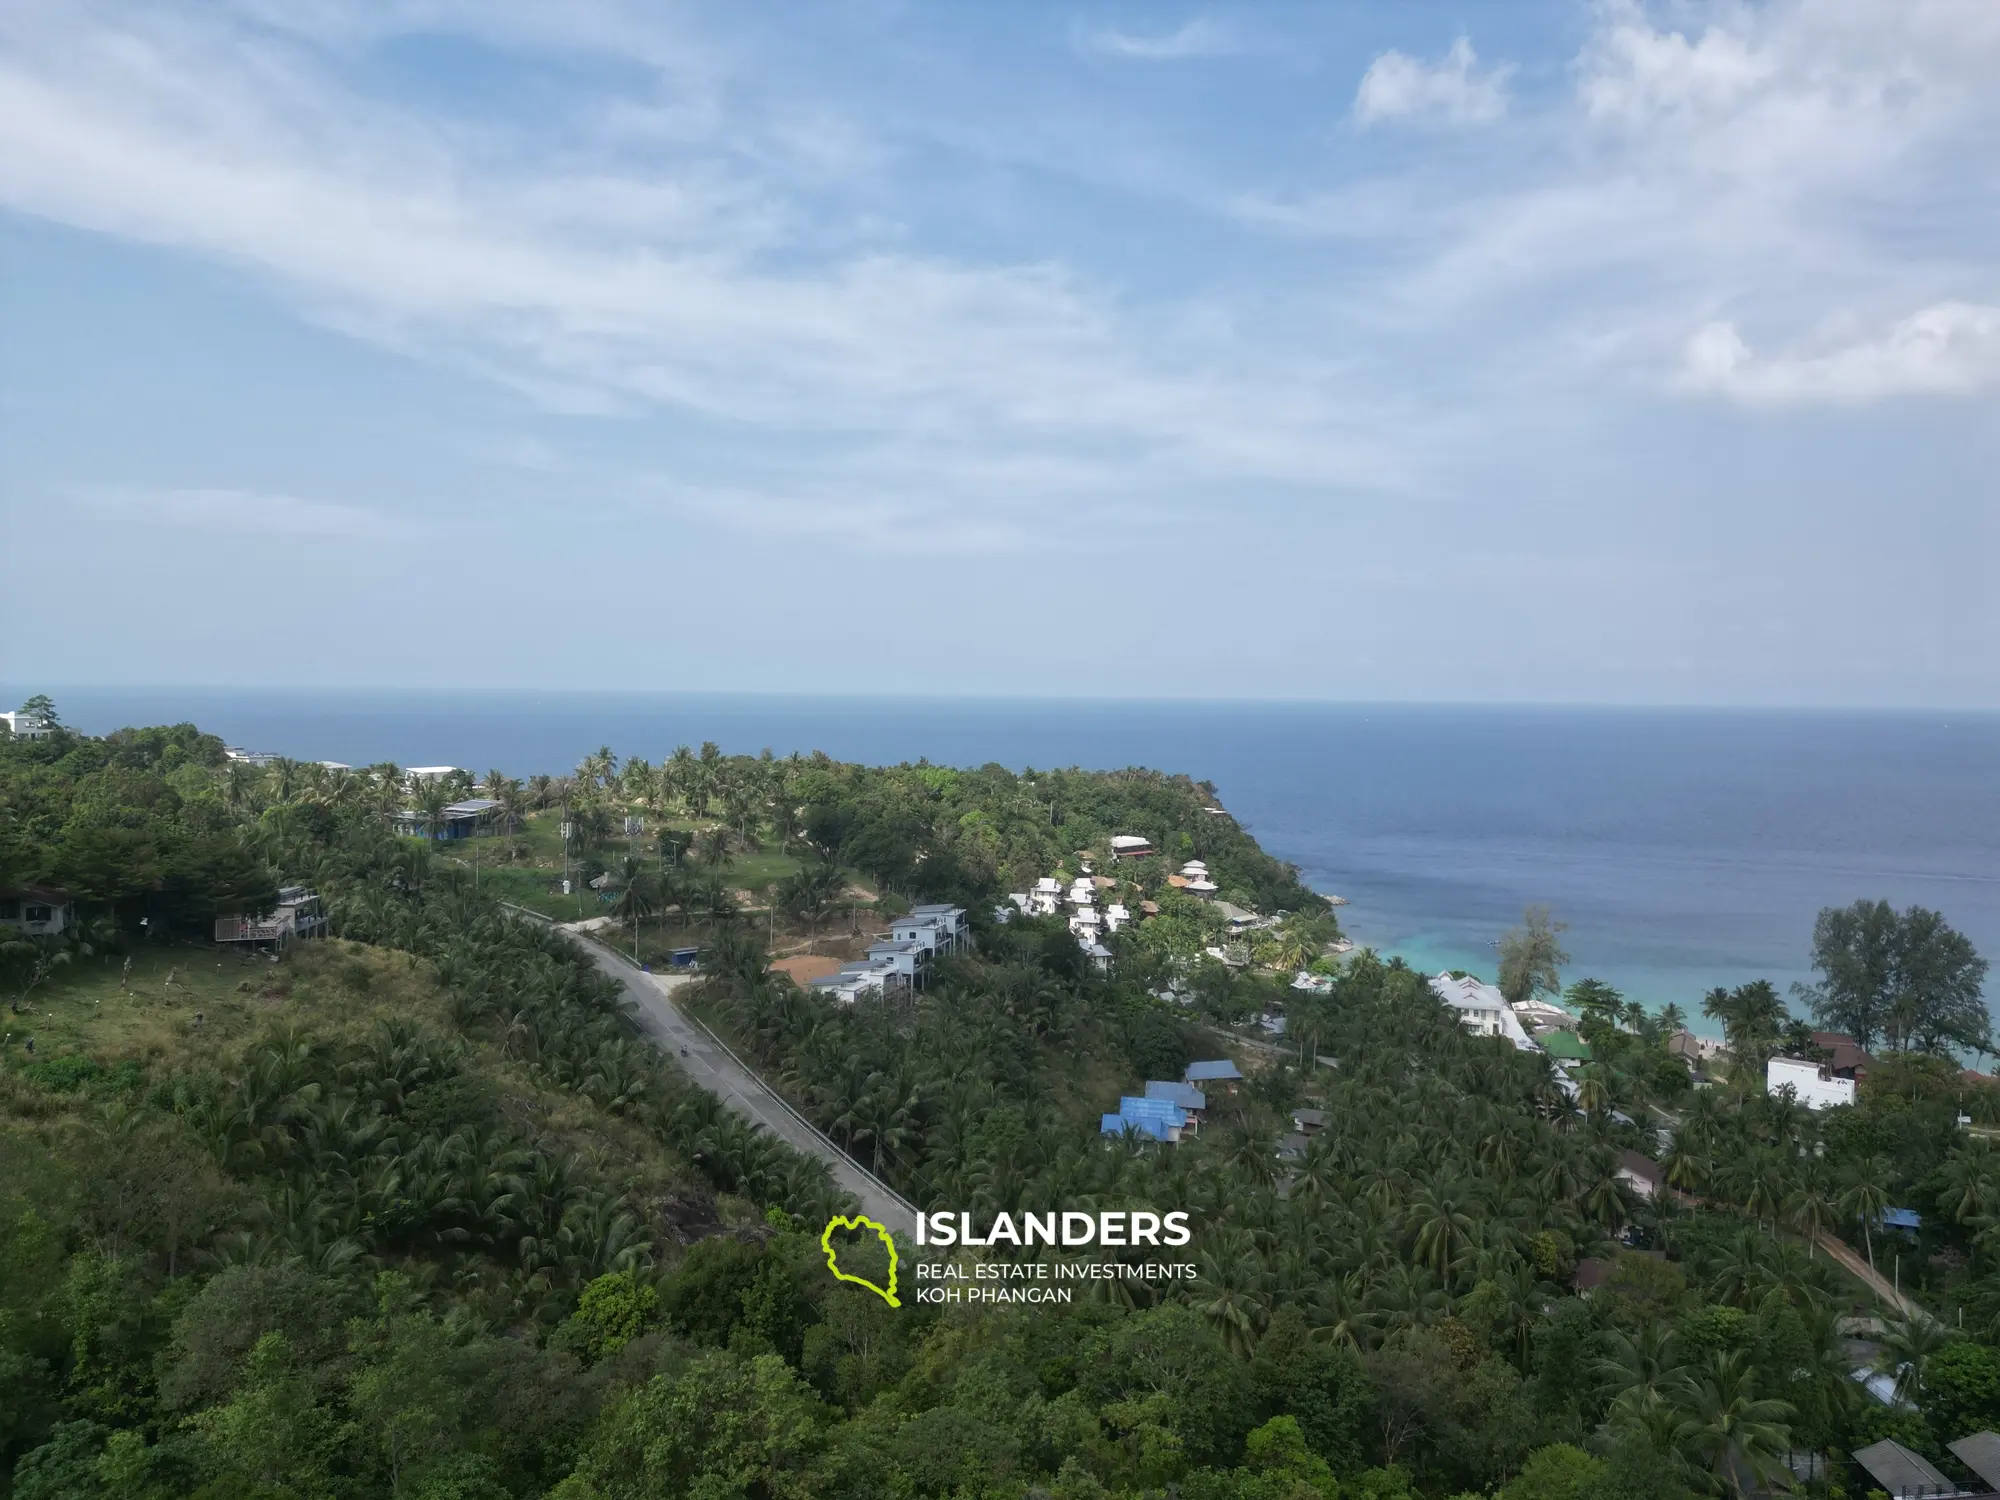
x: 1902, y: 1218
x: 1119, y: 1124
x: 1222, y: 1069
x: 1186, y: 1095
x: 1133, y: 1108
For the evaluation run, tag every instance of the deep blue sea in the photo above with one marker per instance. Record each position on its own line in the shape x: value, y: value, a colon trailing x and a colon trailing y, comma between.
x: 1684, y: 848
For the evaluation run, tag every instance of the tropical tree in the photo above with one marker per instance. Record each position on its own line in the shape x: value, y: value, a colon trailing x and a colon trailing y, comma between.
x: 1531, y: 956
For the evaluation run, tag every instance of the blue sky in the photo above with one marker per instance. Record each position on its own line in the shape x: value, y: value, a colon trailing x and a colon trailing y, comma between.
x: 1563, y: 352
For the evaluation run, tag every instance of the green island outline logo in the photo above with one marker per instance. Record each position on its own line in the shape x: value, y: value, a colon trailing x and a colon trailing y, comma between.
x: 860, y: 1221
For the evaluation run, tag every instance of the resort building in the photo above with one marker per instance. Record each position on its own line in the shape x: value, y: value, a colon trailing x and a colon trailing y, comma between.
x: 1566, y: 1047
x: 1131, y: 846
x: 299, y: 914
x: 1482, y: 1010
x: 1086, y: 925
x: 1540, y: 1015
x: 1045, y: 900
x: 430, y: 773
x: 1310, y: 983
x: 1309, y: 1121
x: 1116, y: 916
x: 243, y: 757
x: 37, y: 912
x: 1812, y: 1084
x: 1694, y: 1049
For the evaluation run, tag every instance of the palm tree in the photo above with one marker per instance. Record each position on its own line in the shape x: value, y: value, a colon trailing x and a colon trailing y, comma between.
x: 1865, y: 1196
x: 1906, y: 1348
x: 1726, y: 1430
x: 1812, y: 1209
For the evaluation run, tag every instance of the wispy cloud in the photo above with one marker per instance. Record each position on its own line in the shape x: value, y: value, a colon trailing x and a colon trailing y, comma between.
x: 249, y: 512
x: 1199, y: 37
x: 1454, y: 89
x: 1952, y: 349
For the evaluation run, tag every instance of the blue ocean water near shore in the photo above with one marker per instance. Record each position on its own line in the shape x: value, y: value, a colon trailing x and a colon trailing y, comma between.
x: 1685, y: 848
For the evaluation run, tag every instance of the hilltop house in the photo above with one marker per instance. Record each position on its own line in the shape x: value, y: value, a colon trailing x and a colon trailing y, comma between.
x: 1046, y: 898
x: 37, y: 911
x: 1482, y: 1010
x: 1848, y: 1060
x: 909, y: 961
x: 1131, y: 846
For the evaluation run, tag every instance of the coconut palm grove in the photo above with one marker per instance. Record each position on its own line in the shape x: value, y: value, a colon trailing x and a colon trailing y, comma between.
x: 410, y: 1207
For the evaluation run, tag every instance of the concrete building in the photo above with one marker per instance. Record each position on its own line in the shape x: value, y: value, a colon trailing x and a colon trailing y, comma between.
x: 853, y: 981
x: 1131, y: 846
x: 461, y: 820
x: 1812, y: 1084
x: 1216, y: 1073
x: 910, y: 960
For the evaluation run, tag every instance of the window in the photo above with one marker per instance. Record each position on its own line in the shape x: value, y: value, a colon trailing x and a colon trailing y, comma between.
x: 40, y: 913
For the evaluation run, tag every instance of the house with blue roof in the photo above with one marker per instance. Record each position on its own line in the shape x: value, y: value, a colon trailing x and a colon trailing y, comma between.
x: 1161, y: 1119
x: 1220, y: 1071
x: 1186, y: 1095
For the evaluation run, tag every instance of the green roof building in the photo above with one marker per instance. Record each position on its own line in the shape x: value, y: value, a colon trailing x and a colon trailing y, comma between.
x: 1565, y: 1046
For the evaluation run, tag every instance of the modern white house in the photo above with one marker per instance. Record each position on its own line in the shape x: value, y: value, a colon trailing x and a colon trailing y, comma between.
x: 1086, y: 925
x: 25, y: 726
x: 873, y: 976
x: 938, y: 930
x: 239, y: 756
x: 1482, y: 1010
x: 1116, y: 915
x: 430, y: 773
x: 909, y: 959
x: 37, y: 912
x: 1046, y: 898
x: 1082, y: 891
x: 1195, y: 874
x: 1812, y: 1084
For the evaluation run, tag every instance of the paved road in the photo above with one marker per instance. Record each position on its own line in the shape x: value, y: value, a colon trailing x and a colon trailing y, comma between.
x: 709, y: 1064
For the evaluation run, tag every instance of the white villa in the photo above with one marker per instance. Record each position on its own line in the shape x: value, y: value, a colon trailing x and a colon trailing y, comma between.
x: 1482, y: 1010
x: 1130, y: 846
x: 1116, y: 916
x: 1195, y: 873
x: 1045, y: 899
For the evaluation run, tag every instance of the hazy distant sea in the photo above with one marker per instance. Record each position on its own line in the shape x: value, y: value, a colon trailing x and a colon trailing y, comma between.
x: 1685, y: 848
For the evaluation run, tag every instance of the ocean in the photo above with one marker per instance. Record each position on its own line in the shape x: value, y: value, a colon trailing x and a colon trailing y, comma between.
x: 1684, y: 848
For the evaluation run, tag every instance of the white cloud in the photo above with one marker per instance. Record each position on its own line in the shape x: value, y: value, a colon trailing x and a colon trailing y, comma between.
x: 248, y: 512
x: 1453, y: 89
x: 1951, y: 349
x: 675, y: 277
x: 1197, y: 38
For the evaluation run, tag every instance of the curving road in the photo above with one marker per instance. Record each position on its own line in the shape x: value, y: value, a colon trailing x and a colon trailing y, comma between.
x: 712, y: 1065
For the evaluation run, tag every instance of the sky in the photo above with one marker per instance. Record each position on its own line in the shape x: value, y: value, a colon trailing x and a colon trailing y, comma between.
x: 1609, y: 352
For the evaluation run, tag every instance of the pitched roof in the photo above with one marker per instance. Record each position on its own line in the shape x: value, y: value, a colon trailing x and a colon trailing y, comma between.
x: 1847, y: 1053
x: 1980, y: 1452
x: 1566, y: 1045
x: 1186, y: 1095
x: 1901, y: 1472
x: 1643, y: 1167
x: 1219, y: 1070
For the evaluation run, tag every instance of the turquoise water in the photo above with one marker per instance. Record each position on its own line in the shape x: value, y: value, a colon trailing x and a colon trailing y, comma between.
x: 1685, y: 848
